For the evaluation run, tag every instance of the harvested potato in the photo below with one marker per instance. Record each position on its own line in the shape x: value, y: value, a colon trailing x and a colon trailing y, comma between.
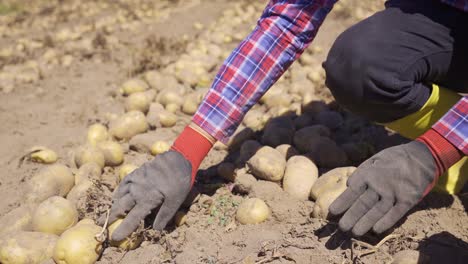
x: 252, y: 211
x: 278, y: 100
x: 78, y: 245
x: 139, y: 101
x: 243, y: 182
x: 241, y: 135
x: 113, y: 153
x: 170, y: 96
x: 325, y: 199
x: 268, y: 164
x: 325, y: 153
x: 128, y: 125
x: 279, y: 130
x: 25, y: 247
x: 172, y: 108
x: 337, y: 176
x: 143, y: 142
x: 133, y: 86
x: 159, y: 80
x: 247, y: 150
x: 410, y: 257
x: 307, y: 138
x: 18, y: 219
x: 227, y: 171
x: 152, y: 117
x: 287, y: 151
x: 303, y: 121
x: 160, y: 147
x: 52, y: 180
x: 330, y: 119
x: 167, y: 119
x: 79, y: 191
x: 190, y: 104
x: 180, y: 218
x: 54, y: 215
x: 357, y: 152
x: 88, y: 171
x: 125, y: 170
x: 88, y: 153
x: 97, y: 133
x: 255, y: 119
x: 299, y: 177
x: 42, y: 155
x: 128, y: 243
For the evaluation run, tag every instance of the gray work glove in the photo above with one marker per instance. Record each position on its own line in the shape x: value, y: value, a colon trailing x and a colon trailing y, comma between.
x: 385, y: 187
x: 162, y: 182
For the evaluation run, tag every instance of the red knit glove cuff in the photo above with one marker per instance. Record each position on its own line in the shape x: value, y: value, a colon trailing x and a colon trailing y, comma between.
x: 445, y: 154
x: 193, y: 146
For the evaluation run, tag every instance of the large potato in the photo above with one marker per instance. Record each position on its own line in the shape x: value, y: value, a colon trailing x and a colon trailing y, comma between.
x: 325, y: 153
x: 88, y: 153
x: 252, y: 211
x: 306, y: 138
x: 248, y: 149
x: 97, y: 133
x: 325, y: 199
x: 268, y: 164
x: 279, y: 130
x: 78, y: 245
x: 25, y: 247
x: 50, y: 181
x: 128, y: 125
x: 18, y: 219
x: 287, y: 151
x: 79, y: 191
x: 139, y: 101
x: 299, y: 177
x: 170, y: 96
x: 113, y: 153
x: 54, y: 216
x: 337, y: 176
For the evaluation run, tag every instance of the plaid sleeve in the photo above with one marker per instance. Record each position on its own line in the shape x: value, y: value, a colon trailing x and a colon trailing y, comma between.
x: 282, y: 33
x: 454, y: 125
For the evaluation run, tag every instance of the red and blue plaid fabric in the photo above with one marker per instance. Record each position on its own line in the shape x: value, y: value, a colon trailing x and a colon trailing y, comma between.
x: 454, y: 125
x: 282, y: 33
x: 460, y: 4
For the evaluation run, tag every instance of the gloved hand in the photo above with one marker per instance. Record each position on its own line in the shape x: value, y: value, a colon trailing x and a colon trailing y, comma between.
x: 385, y: 187
x: 164, y: 181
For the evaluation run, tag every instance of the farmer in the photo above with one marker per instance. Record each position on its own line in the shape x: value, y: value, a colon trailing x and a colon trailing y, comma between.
x: 402, y: 67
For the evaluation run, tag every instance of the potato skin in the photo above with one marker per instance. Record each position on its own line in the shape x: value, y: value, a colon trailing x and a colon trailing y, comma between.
x: 252, y: 211
x: 299, y: 177
x: 24, y: 247
x: 128, y: 243
x: 18, y: 219
x: 128, y: 125
x: 53, y: 180
x: 54, y: 216
x: 268, y: 164
x: 113, y: 153
x: 337, y: 176
x: 88, y: 153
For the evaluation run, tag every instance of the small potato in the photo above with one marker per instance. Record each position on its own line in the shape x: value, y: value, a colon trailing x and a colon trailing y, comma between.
x: 268, y: 164
x: 97, y: 133
x: 307, y: 138
x: 52, y: 180
x: 128, y: 125
x: 152, y: 118
x: 88, y: 171
x: 128, y: 243
x: 299, y: 177
x: 172, y: 108
x: 244, y: 182
x: 43, y: 155
x: 113, y: 153
x: 252, y: 211
x: 54, y: 215
x: 330, y: 119
x: 144, y: 142
x: 160, y: 147
x: 287, y: 151
x: 134, y: 86
x: 78, y: 245
x: 337, y: 176
x: 248, y: 149
x: 167, y: 119
x: 410, y: 257
x: 25, y: 247
x: 227, y: 171
x: 255, y: 119
x: 79, y: 192
x: 170, y: 96
x: 159, y: 81
x: 18, y: 219
x: 88, y: 153
x: 325, y: 153
x: 324, y: 201
x: 241, y: 135
x: 125, y: 170
x: 279, y: 130
x: 139, y: 101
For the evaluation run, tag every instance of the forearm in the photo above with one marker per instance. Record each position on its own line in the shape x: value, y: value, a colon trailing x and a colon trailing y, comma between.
x: 283, y: 32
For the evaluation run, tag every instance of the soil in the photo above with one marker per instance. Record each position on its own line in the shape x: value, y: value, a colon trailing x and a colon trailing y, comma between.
x: 58, y: 100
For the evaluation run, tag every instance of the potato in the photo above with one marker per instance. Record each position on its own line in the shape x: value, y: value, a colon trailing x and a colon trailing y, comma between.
x: 180, y: 218
x: 18, y: 219
x: 52, y: 180
x: 277, y: 100
x: 410, y: 257
x: 324, y: 201
x: 312, y: 105
x: 227, y: 171
x: 54, y: 215
x: 243, y: 182
x: 172, y: 108
x: 125, y: 170
x: 303, y: 121
x: 268, y: 164
x: 287, y: 151
x: 325, y: 153
x: 88, y: 171
x: 170, y: 96
x: 139, y: 101
x: 357, y: 152
x: 25, y: 247
x: 330, y: 119
x: 79, y: 192
x: 248, y: 149
x: 159, y: 80
x: 78, y: 245
x: 113, y: 153
x: 189, y: 106
x: 307, y: 138
x: 252, y: 211
x: 133, y: 86
x: 167, y: 119
x: 88, y: 153
x: 97, y: 133
x: 299, y: 177
x: 241, y: 135
x: 128, y: 243
x: 144, y: 142
x: 160, y: 147
x: 43, y: 155
x: 337, y: 176
x: 255, y: 119
x: 152, y: 117
x: 128, y: 125
x: 279, y: 130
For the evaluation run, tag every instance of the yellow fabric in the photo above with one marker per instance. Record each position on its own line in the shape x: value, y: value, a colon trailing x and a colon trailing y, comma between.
x: 414, y: 125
